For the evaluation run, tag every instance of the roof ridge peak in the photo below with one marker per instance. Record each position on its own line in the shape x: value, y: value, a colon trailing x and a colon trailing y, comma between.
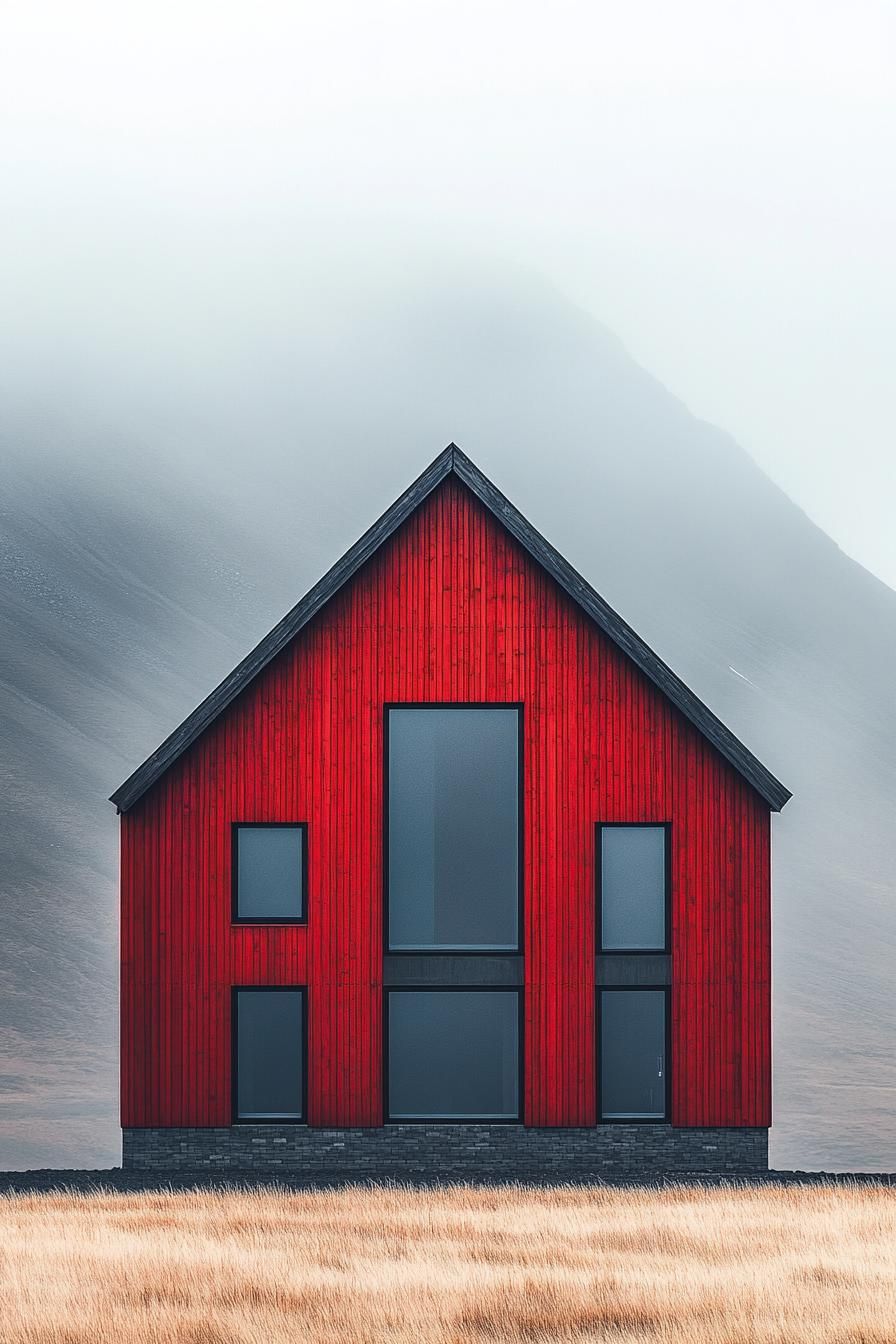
x: 452, y: 460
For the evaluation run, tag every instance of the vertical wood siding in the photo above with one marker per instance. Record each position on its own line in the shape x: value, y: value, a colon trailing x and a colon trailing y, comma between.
x: 450, y: 608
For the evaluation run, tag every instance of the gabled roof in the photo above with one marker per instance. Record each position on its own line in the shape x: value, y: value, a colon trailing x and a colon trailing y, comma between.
x: 453, y: 462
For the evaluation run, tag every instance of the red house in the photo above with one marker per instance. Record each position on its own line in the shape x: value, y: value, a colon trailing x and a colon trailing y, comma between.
x: 452, y: 876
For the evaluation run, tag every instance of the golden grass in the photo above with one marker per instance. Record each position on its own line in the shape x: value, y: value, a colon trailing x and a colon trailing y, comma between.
x: 461, y: 1265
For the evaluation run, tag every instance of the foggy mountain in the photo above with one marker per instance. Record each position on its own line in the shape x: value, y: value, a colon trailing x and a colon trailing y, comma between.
x: 185, y: 490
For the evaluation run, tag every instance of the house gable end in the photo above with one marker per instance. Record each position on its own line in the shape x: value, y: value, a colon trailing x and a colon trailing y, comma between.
x: 453, y: 462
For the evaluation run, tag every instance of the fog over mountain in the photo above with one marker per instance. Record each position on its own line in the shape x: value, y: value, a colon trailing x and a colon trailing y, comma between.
x: 167, y: 491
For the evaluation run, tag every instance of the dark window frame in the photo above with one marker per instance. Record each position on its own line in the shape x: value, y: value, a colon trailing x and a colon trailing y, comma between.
x: 518, y: 990
x: 235, y: 991
x: 235, y: 916
x: 599, y: 828
x: 517, y: 951
x: 666, y: 991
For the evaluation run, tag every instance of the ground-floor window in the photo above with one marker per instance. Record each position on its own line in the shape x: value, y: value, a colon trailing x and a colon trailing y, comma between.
x: 633, y: 1072
x: 453, y: 1054
x: 269, y: 1054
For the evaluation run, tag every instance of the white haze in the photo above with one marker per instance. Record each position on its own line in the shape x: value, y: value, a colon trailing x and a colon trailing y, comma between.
x: 713, y: 182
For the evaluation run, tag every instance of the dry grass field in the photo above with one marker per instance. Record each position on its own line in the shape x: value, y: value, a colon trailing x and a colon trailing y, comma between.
x: 451, y: 1266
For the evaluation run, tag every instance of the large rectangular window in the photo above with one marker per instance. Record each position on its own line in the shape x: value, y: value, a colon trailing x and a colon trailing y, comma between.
x: 632, y: 888
x: 453, y: 828
x: 633, y: 1076
x: 453, y: 1054
x: 269, y: 867
x: 269, y: 1054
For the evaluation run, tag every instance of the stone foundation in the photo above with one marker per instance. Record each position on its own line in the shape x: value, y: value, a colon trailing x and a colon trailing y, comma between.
x: 443, y: 1152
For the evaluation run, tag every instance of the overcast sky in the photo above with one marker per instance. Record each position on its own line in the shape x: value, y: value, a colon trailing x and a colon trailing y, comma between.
x: 713, y: 182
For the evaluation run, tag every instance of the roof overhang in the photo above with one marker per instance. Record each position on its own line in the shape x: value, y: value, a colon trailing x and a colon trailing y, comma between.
x: 453, y: 461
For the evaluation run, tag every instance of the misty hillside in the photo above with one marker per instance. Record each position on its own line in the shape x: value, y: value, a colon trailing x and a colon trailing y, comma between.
x: 151, y: 531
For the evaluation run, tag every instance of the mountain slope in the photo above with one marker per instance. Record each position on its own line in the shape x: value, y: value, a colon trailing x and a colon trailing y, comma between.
x: 132, y: 578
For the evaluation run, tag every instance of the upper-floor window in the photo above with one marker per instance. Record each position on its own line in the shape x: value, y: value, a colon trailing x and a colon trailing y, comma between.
x: 633, y: 888
x: 453, y: 852
x: 269, y: 864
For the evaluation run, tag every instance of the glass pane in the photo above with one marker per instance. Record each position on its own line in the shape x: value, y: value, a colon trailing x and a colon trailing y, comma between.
x: 633, y: 1054
x: 633, y: 887
x: 454, y: 1055
x: 269, y: 872
x: 269, y: 1054
x: 453, y: 828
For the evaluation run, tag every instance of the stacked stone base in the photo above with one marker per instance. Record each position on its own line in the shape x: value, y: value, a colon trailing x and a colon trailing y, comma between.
x: 440, y: 1152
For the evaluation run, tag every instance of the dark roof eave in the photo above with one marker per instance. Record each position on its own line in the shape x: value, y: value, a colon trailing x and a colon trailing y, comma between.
x: 452, y: 460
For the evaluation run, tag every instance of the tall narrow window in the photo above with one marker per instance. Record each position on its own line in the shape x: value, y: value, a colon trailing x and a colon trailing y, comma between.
x: 453, y: 1054
x: 269, y: 864
x: 453, y: 828
x: 268, y: 1056
x: 633, y: 888
x: 633, y: 1084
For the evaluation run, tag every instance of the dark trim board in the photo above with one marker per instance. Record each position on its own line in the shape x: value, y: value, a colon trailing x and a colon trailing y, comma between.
x: 632, y: 970
x: 451, y: 461
x: 466, y: 970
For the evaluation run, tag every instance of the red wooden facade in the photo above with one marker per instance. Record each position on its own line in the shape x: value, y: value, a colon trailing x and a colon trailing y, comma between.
x: 449, y: 608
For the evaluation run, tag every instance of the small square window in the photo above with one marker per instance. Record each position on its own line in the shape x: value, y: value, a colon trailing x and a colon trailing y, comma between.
x: 269, y: 865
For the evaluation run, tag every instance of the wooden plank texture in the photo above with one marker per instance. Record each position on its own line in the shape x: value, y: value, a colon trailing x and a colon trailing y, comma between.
x: 450, y: 607
x: 451, y: 461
